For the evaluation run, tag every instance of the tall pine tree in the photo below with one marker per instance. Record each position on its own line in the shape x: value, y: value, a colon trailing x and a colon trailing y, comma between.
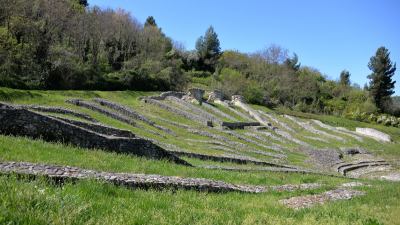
x: 381, y: 86
x: 208, y: 48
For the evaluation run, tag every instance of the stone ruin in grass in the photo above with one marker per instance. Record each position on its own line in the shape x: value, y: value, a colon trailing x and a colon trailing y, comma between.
x: 22, y: 122
x: 194, y: 95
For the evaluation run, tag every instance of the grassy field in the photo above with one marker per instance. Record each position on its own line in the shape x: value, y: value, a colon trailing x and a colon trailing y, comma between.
x: 28, y: 201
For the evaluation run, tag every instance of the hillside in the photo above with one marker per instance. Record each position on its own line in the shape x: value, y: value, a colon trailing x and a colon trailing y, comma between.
x: 257, y: 165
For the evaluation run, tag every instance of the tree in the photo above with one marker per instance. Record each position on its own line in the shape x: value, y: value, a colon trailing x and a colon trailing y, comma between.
x: 208, y: 48
x: 381, y: 86
x: 345, y: 78
x: 150, y: 21
x: 293, y: 63
x: 274, y: 54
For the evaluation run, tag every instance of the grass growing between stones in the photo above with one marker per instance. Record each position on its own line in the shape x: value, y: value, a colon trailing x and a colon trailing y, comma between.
x: 88, y: 202
x: 36, y: 151
x: 26, y: 201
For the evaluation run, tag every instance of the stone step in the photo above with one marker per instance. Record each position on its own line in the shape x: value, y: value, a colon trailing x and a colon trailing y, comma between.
x: 237, y: 160
x: 99, y: 128
x: 129, y: 112
x: 142, y: 181
x: 362, y: 165
x: 100, y: 109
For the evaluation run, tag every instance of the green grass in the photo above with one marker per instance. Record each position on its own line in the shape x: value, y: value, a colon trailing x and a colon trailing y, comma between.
x: 25, y: 201
x: 89, y: 202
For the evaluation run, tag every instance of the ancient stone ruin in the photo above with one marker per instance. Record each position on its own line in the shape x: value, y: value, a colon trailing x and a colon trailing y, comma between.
x: 22, y: 122
x: 134, y: 181
x: 194, y: 95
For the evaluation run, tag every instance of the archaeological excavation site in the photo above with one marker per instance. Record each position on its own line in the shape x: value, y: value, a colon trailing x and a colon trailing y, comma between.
x: 216, y: 137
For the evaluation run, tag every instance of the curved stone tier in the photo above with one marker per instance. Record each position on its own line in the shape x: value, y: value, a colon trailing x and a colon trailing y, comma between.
x: 130, y: 180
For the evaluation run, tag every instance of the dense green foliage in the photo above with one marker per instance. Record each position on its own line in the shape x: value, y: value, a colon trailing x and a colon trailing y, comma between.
x: 66, y: 44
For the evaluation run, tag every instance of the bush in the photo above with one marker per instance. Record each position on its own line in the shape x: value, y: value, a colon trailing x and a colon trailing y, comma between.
x: 254, y: 94
x: 200, y: 74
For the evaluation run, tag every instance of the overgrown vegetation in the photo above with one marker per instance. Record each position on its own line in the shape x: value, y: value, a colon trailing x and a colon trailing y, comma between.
x: 67, y: 44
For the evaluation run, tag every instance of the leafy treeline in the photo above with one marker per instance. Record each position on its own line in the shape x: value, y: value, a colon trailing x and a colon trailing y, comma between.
x: 65, y: 44
x: 271, y: 77
x: 62, y: 44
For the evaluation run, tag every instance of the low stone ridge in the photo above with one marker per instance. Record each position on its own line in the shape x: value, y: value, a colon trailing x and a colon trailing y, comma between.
x: 98, y: 108
x: 263, y: 169
x: 262, y: 138
x: 353, y: 184
x: 278, y: 122
x: 347, y: 167
x: 310, y: 128
x: 129, y: 112
x: 58, y: 110
x: 239, y: 101
x: 240, y: 114
x: 176, y: 124
x: 195, y: 110
x: 236, y: 159
x: 316, y: 139
x: 177, y: 111
x: 217, y: 111
x: 239, y: 125
x: 240, y: 147
x: 142, y: 181
x: 335, y: 129
x: 21, y: 122
x: 375, y: 134
x: 123, y: 110
x: 295, y: 187
x: 311, y: 200
x: 99, y: 128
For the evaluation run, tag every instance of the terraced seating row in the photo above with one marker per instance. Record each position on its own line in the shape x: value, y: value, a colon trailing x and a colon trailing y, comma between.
x: 58, y: 110
x: 22, y: 122
x: 98, y: 108
x: 345, y: 168
x: 141, y: 181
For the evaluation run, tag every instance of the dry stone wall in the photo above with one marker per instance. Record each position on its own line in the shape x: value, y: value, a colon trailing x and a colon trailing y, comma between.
x: 21, y: 122
x: 99, y: 128
x: 58, y: 110
x: 98, y: 108
x: 177, y: 111
x: 127, y: 111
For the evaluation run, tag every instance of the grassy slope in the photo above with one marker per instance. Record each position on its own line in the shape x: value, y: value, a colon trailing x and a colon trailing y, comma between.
x: 89, y: 202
